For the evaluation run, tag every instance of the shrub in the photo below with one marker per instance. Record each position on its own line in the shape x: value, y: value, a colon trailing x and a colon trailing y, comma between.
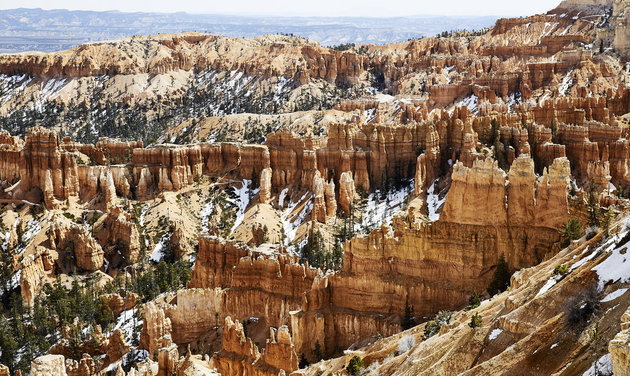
x: 433, y: 327
x: 405, y: 343
x: 355, y: 366
x: 475, y: 321
x: 501, y: 278
x: 591, y: 232
x: 580, y: 309
x: 560, y: 270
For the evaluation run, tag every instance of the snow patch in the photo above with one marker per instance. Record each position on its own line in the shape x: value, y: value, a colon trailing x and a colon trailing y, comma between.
x: 494, y: 334
x: 567, y: 81
x: 158, y: 253
x: 470, y: 102
x: 549, y: 284
x: 291, y: 221
x: 206, y: 212
x: 615, y: 268
x: 434, y: 202
x: 379, y: 211
x: 602, y: 366
x: 614, y: 295
x: 242, y: 201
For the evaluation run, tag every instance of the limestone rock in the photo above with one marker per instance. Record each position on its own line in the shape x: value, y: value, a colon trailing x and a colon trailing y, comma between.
x: 265, y: 185
x: 32, y: 279
x: 347, y: 191
x: 88, y: 254
x: 178, y: 242
x: 48, y: 365
x: 619, y: 348
x: 156, y: 329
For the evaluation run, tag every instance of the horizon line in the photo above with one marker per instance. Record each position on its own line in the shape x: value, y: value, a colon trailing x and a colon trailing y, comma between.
x: 271, y: 15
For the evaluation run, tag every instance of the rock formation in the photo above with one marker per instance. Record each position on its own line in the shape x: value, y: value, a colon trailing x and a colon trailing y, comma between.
x: 239, y: 355
x: 76, y: 239
x: 619, y: 348
x: 48, y: 365
x: 155, y: 331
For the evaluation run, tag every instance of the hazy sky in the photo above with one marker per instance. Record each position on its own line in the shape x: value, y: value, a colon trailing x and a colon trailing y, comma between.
x: 381, y: 8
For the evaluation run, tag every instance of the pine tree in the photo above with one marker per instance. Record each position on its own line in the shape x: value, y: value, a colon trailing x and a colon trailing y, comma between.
x: 474, y: 301
x: 609, y: 217
x: 593, y: 206
x: 409, y: 321
x: 571, y: 230
x: 501, y: 278
x: 475, y: 321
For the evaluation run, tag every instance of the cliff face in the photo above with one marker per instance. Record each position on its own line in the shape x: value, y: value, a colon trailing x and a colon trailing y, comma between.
x: 45, y: 166
x: 265, y: 57
x: 407, y: 261
x: 409, y: 265
x: 255, y: 282
x: 75, y: 239
x: 619, y: 347
x: 239, y: 355
x: 522, y: 330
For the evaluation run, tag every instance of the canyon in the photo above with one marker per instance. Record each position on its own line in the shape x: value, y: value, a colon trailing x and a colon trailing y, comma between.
x: 358, y: 203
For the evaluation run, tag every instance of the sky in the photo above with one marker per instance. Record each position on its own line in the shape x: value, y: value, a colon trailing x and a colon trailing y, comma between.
x: 361, y: 8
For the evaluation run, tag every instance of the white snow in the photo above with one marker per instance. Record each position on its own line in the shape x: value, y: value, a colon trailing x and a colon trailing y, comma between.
x: 471, y: 103
x: 513, y: 100
x: 615, y: 268
x: 127, y: 323
x: 283, y: 194
x: 206, y: 212
x: 32, y: 228
x: 143, y: 214
x: 157, y: 254
x: 494, y: 334
x: 604, y: 367
x: 614, y: 295
x: 380, y: 211
x: 369, y: 115
x: 583, y: 260
x: 566, y: 83
x: 566, y: 30
x: 550, y: 283
x: 434, y: 202
x: 242, y: 201
x: 554, y: 346
x: 291, y: 221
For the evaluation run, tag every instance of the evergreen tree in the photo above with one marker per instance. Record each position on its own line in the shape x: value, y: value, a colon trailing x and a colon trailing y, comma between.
x: 355, y: 366
x: 474, y: 301
x: 501, y: 278
x: 593, y: 206
x: 409, y: 321
x: 607, y: 220
x: 475, y: 321
x: 571, y: 230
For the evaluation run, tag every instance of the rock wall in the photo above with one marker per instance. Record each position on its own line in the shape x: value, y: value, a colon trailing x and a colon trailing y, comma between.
x: 437, y: 266
x: 240, y: 356
x: 88, y: 254
x: 48, y: 365
x: 619, y: 348
x: 289, y: 57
